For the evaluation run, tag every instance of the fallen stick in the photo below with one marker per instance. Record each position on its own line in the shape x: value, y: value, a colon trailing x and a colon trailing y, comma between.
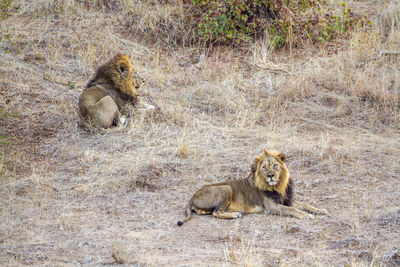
x: 378, y: 56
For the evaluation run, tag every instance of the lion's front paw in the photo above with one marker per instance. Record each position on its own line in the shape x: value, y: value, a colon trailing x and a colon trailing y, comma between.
x: 236, y: 214
x: 146, y: 106
x: 305, y: 215
x: 324, y: 212
x: 150, y: 107
x: 309, y: 216
x: 122, y: 121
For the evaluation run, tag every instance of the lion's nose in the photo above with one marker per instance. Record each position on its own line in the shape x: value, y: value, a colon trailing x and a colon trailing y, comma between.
x: 270, y: 175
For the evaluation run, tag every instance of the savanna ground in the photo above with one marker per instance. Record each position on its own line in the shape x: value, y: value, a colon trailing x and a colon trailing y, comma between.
x: 73, y: 197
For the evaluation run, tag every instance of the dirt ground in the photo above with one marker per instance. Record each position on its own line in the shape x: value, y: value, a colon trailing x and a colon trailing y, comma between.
x: 72, y: 197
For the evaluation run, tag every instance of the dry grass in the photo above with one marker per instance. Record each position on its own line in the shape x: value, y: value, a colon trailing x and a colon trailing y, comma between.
x: 72, y: 197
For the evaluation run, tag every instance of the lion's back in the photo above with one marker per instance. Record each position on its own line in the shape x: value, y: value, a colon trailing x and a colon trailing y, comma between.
x: 88, y: 97
x: 246, y: 194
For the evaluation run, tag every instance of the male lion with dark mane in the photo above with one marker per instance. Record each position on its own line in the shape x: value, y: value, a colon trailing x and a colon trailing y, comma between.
x: 268, y: 188
x: 111, y: 88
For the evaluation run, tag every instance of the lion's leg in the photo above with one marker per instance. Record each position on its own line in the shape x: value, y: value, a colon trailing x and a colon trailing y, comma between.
x: 121, y: 121
x: 294, y: 212
x: 309, y: 208
x: 103, y: 113
x: 201, y: 212
x: 215, y: 199
x: 221, y: 212
x: 227, y: 214
x: 279, y: 209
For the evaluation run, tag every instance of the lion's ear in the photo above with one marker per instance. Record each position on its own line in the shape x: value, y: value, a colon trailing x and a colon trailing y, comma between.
x: 282, y: 157
x: 255, y: 164
x: 267, y: 152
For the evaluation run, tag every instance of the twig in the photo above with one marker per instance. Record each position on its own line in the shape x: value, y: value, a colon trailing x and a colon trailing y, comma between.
x: 115, y: 14
x: 272, y: 70
x: 278, y: 70
x: 378, y: 56
x: 74, y: 31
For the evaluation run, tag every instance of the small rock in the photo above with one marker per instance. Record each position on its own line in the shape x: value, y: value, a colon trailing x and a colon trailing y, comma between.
x: 392, y: 258
x: 329, y: 197
x: 290, y: 229
x: 291, y: 252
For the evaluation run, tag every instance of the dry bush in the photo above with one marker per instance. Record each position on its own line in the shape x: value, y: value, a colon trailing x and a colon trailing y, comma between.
x: 339, y: 85
x: 122, y: 254
x: 388, y: 21
x: 164, y: 24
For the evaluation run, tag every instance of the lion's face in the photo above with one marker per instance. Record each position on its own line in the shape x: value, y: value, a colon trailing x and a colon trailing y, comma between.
x: 270, y: 172
x: 120, y: 74
x: 123, y: 78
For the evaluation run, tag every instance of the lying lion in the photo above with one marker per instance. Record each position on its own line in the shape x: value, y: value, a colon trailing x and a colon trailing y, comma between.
x: 111, y: 88
x: 267, y: 188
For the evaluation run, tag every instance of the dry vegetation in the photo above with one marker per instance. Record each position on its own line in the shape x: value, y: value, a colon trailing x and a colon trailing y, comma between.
x: 71, y: 197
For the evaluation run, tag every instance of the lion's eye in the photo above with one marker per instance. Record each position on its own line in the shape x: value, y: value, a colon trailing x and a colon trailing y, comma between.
x: 265, y: 168
x: 275, y: 166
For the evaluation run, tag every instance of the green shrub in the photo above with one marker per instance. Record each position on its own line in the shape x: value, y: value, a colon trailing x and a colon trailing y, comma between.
x: 4, y: 7
x: 284, y: 21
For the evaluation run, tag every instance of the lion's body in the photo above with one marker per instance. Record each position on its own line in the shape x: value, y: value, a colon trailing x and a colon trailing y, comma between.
x: 111, y: 88
x: 267, y: 188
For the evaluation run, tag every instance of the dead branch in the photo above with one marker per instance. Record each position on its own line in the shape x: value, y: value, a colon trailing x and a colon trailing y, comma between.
x: 275, y: 70
x: 378, y: 56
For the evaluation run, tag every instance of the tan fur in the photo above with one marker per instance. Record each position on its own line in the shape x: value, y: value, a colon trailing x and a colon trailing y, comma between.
x: 229, y: 200
x: 111, y: 87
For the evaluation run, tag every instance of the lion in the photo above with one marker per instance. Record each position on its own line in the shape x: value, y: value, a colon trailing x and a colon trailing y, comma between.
x: 107, y: 92
x: 267, y: 188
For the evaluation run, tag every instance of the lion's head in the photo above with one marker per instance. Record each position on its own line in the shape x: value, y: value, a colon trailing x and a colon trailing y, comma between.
x: 270, y: 172
x: 118, y: 72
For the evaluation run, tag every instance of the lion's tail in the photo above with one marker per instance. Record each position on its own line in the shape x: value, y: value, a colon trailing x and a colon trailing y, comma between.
x: 188, y: 213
